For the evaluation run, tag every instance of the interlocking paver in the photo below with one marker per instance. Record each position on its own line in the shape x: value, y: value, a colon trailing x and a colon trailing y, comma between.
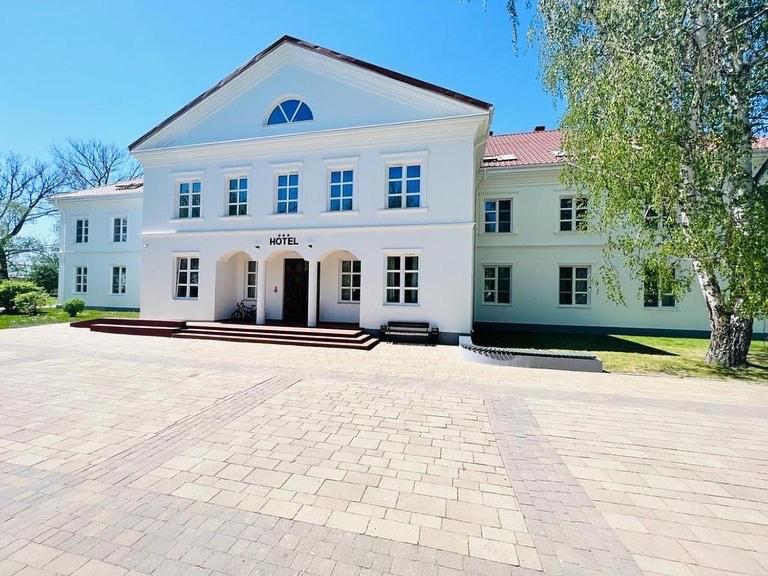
x: 216, y: 458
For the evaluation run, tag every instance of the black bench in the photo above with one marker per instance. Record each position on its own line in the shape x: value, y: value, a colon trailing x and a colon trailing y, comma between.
x: 410, y: 332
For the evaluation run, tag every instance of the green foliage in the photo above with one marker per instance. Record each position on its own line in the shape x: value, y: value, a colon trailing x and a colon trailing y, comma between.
x: 9, y: 289
x: 73, y: 306
x: 663, y: 101
x: 30, y: 303
x: 45, y: 272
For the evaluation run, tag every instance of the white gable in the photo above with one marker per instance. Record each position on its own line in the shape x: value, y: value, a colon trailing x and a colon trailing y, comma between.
x: 340, y: 95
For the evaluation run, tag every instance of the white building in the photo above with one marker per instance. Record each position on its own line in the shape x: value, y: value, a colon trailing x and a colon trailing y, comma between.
x: 332, y: 190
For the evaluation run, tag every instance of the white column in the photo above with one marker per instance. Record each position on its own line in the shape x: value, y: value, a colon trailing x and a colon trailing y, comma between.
x: 261, y: 292
x: 312, y: 300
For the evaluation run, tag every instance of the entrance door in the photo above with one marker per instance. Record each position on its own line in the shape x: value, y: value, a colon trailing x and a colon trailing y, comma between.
x: 295, y: 290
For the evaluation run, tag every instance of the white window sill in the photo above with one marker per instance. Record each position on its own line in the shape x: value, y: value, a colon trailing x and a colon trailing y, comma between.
x: 417, y: 305
x: 347, y: 302
x: 571, y: 232
x: 177, y: 299
x: 496, y: 303
x: 420, y: 210
x: 661, y: 308
x: 575, y: 306
x: 180, y: 220
x: 228, y: 218
x: 491, y: 234
x: 285, y: 215
x: 340, y: 213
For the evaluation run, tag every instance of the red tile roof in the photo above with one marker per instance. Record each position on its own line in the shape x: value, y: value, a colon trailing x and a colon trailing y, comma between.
x: 540, y: 148
x: 523, y: 149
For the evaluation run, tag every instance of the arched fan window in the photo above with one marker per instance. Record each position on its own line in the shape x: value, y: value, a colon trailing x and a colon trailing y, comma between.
x: 290, y: 111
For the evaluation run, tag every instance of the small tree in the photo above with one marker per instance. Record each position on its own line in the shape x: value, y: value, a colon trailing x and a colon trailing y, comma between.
x: 73, y: 306
x: 45, y: 271
x: 9, y: 289
x: 30, y: 303
x: 25, y: 188
x: 90, y: 163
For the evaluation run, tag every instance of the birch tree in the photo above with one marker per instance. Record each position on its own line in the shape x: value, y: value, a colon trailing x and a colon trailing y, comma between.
x: 664, y: 102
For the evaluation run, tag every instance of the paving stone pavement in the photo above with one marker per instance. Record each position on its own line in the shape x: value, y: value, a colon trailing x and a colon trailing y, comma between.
x: 137, y: 455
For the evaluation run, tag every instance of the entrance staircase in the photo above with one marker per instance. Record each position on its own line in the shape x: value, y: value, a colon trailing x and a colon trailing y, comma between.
x: 324, y: 337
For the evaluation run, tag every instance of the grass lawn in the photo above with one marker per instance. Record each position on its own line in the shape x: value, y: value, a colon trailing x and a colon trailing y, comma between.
x: 637, y: 354
x: 55, y: 315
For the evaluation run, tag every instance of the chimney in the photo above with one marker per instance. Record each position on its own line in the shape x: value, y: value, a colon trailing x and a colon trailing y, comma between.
x: 539, y: 128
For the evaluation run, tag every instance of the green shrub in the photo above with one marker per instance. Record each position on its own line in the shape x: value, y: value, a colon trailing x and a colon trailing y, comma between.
x: 73, y: 306
x: 30, y: 303
x: 9, y: 289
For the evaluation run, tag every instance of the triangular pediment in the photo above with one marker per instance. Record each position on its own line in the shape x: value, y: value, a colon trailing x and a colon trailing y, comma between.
x: 340, y: 91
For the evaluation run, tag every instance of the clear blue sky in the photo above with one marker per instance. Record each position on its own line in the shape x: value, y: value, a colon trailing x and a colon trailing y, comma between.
x: 112, y: 70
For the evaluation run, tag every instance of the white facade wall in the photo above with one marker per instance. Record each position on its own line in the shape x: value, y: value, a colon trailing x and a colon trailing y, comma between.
x: 535, y: 249
x: 439, y: 232
x: 100, y: 253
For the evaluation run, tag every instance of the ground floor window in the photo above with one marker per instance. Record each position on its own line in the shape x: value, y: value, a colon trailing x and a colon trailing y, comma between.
x: 402, y: 280
x: 250, y: 279
x: 118, y: 279
x: 497, y: 284
x: 574, y: 286
x: 81, y: 279
x: 350, y: 280
x: 187, y: 277
x: 654, y: 296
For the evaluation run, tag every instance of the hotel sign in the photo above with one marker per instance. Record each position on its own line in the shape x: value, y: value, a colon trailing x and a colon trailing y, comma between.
x: 283, y: 240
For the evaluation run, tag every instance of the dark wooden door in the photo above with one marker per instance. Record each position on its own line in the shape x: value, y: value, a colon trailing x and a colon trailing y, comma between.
x: 295, y: 290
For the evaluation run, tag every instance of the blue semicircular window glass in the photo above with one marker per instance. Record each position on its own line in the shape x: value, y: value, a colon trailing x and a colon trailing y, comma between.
x: 290, y: 111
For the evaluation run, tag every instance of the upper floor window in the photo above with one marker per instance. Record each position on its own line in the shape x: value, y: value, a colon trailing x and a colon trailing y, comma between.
x: 404, y: 186
x: 498, y: 216
x: 573, y: 213
x: 120, y: 229
x: 288, y: 193
x: 238, y: 196
x: 290, y: 111
x: 189, y: 198
x: 81, y: 230
x: 341, y: 190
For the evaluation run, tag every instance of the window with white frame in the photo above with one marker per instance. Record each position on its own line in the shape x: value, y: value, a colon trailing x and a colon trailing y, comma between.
x: 574, y: 285
x: 402, y: 279
x: 81, y: 230
x: 120, y: 229
x: 287, y: 193
x: 350, y: 281
x: 653, y: 295
x: 498, y: 216
x: 404, y: 186
x: 573, y: 213
x: 118, y: 279
x: 190, y: 195
x: 341, y: 190
x: 187, y: 277
x: 497, y: 284
x: 251, y: 273
x: 238, y: 196
x: 81, y: 279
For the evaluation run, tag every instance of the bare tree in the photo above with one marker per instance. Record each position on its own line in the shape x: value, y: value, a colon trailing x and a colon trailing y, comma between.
x: 25, y: 189
x: 90, y: 163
